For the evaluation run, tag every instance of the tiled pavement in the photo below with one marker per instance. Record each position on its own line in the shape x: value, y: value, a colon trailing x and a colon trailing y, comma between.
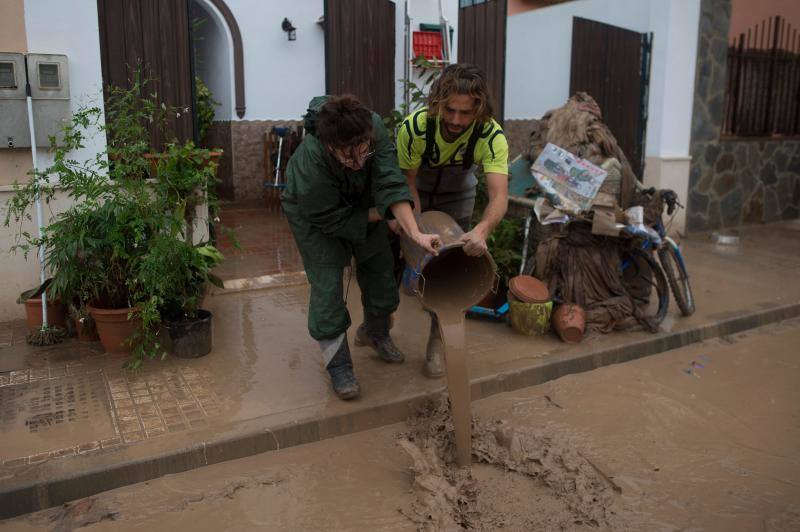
x: 266, y: 243
x: 65, y: 408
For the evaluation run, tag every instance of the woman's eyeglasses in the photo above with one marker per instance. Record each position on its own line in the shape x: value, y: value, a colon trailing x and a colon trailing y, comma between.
x: 355, y: 156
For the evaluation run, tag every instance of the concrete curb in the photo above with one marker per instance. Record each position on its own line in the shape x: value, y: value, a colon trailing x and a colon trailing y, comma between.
x: 245, y: 284
x: 254, y: 439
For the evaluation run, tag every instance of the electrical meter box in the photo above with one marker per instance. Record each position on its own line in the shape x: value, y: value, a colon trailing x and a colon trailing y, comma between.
x: 13, y: 111
x: 48, y: 75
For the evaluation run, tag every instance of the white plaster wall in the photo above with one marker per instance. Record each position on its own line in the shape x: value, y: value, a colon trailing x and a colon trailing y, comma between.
x: 421, y: 11
x: 676, y: 97
x: 539, y: 54
x: 214, y: 54
x: 538, y: 50
x: 70, y: 28
x: 280, y: 76
x: 53, y: 27
x: 19, y: 274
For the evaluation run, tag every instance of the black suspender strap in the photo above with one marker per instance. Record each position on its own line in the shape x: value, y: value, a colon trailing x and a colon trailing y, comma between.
x: 469, y: 154
x: 430, y: 139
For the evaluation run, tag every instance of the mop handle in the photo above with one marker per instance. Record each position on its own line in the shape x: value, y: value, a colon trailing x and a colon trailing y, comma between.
x: 35, y: 157
x: 278, y: 164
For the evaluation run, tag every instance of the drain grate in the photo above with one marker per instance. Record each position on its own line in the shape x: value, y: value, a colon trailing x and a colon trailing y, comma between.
x: 44, y: 417
x: 47, y: 403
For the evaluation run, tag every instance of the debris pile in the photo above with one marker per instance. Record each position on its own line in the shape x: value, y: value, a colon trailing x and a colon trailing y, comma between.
x: 521, y: 479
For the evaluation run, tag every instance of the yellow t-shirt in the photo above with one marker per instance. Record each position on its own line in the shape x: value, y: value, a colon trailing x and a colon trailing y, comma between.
x: 491, y: 149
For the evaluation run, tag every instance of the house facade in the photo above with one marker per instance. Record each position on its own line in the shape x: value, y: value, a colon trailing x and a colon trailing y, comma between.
x: 720, y: 112
x: 671, y: 56
x: 259, y: 76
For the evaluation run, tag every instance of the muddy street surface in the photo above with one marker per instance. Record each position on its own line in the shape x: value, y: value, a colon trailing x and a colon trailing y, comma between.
x: 706, y: 437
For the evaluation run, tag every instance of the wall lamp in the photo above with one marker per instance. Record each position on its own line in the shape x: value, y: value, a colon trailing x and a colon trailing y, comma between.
x: 286, y: 26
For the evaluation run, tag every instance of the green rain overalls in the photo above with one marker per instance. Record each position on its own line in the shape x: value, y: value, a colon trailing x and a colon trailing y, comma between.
x: 327, y: 207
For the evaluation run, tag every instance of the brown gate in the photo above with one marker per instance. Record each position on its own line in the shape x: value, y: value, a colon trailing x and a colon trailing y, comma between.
x: 612, y: 65
x: 360, y: 51
x: 152, y: 35
x: 482, y: 42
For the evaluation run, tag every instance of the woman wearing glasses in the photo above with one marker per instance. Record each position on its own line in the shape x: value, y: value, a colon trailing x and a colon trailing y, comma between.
x: 343, y: 185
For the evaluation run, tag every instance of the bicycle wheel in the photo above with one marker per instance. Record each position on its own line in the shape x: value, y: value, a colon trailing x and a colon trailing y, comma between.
x: 645, y: 282
x: 678, y: 278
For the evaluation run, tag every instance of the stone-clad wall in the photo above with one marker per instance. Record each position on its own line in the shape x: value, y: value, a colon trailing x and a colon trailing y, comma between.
x: 733, y: 182
x: 241, y: 168
x: 249, y: 173
x: 737, y: 182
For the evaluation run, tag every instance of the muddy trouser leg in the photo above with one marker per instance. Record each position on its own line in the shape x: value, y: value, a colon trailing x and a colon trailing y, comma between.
x: 459, y: 206
x: 327, y: 313
x: 328, y: 321
x: 374, y: 273
x: 379, y: 297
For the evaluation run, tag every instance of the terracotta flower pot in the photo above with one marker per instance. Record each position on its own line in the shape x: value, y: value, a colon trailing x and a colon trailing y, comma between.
x: 114, y: 328
x: 56, y: 313
x: 569, y: 322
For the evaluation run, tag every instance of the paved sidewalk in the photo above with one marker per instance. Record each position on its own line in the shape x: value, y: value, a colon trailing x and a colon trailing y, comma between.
x: 73, y: 422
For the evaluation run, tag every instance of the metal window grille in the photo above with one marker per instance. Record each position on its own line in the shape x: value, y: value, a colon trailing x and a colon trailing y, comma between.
x: 763, y: 85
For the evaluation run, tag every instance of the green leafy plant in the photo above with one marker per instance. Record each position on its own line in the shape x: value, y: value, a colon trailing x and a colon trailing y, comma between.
x: 126, y: 240
x: 418, y: 94
x: 186, y: 176
x: 505, y: 242
x: 129, y: 115
x: 205, y: 106
x: 177, y: 273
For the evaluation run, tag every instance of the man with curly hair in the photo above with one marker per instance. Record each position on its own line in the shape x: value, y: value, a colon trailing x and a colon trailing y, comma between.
x: 439, y: 148
x: 343, y: 183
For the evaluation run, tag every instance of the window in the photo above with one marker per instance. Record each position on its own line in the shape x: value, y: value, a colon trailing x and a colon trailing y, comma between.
x: 8, y: 75
x: 48, y: 76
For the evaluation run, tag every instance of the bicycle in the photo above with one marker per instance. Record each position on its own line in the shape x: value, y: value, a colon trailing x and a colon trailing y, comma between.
x: 672, y: 269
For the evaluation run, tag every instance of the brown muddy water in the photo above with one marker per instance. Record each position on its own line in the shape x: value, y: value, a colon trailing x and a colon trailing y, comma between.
x: 706, y: 437
x: 451, y: 283
x: 451, y: 324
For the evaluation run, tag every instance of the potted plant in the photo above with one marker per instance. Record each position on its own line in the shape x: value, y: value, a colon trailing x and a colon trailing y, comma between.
x: 32, y: 299
x: 101, y: 250
x: 93, y: 247
x: 178, y: 273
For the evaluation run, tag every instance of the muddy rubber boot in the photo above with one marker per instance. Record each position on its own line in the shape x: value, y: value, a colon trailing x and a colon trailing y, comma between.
x: 434, y: 353
x: 340, y: 368
x: 374, y: 332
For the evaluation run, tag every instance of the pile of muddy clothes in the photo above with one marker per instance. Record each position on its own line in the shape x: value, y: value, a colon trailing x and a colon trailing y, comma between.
x: 579, y: 250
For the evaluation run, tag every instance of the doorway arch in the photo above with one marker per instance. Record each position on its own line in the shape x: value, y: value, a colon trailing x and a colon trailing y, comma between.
x: 219, y: 49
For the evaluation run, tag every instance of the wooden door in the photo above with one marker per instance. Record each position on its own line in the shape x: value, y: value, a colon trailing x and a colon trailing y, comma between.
x: 153, y: 36
x: 360, y: 51
x: 482, y: 42
x: 612, y: 65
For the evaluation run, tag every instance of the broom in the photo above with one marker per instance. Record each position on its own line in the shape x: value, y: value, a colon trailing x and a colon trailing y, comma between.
x: 44, y: 335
